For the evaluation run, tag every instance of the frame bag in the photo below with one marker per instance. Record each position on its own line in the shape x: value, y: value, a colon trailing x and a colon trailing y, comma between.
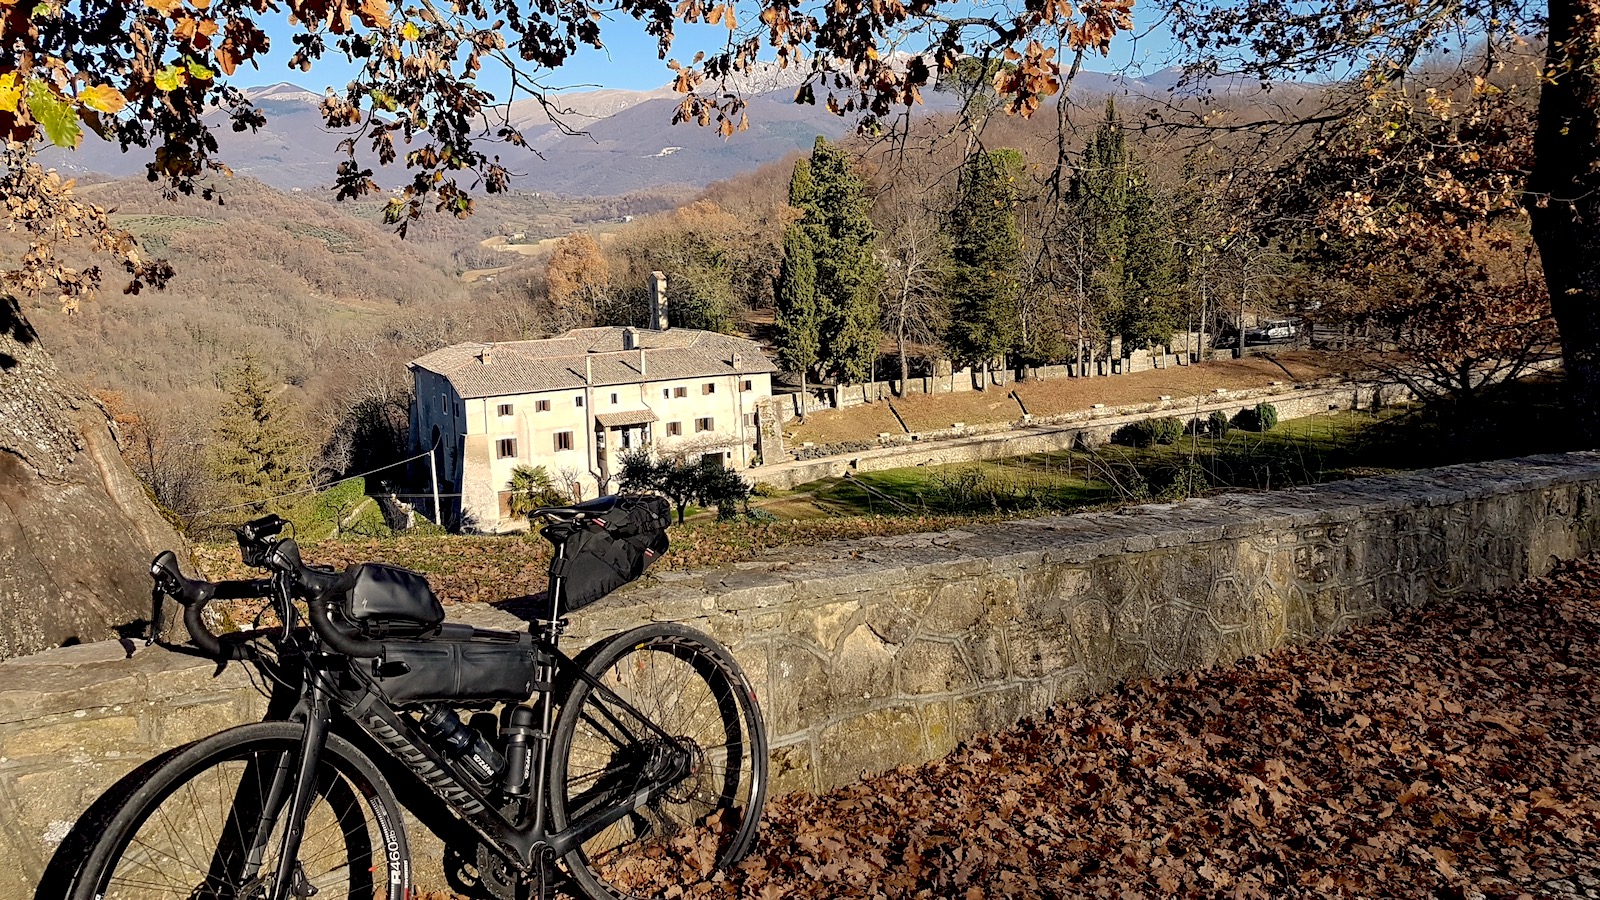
x: 486, y: 667
x: 607, y: 552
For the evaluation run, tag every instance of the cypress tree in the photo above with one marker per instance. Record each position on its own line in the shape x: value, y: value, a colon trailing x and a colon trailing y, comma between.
x: 848, y: 270
x: 799, y: 321
x: 254, y: 454
x: 1131, y: 254
x: 831, y: 246
x: 985, y: 245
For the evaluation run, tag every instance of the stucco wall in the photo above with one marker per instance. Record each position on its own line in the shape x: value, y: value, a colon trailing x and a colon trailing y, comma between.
x: 889, y: 651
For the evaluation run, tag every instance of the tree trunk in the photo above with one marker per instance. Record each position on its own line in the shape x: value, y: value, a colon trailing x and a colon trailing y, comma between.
x: 1564, y: 198
x: 905, y: 366
x: 77, y: 529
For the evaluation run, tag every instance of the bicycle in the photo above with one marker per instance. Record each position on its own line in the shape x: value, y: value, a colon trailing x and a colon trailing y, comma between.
x: 641, y: 763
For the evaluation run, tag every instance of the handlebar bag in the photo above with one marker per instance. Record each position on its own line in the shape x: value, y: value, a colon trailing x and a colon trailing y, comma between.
x: 390, y: 594
x: 608, y: 551
x: 491, y: 666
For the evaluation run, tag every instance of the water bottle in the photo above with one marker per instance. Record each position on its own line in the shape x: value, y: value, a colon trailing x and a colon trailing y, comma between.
x: 519, y: 733
x: 463, y: 744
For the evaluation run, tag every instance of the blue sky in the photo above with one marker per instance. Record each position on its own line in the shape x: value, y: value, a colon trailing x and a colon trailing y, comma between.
x: 630, y: 62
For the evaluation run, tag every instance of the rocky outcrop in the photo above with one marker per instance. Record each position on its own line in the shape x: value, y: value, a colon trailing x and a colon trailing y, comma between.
x: 77, y: 529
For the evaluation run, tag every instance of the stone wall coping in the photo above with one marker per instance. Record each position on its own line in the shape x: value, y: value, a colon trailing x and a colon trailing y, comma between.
x: 100, y: 675
x: 103, y: 674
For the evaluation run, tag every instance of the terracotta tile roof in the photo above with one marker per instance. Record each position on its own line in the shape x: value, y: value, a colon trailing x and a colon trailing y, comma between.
x: 531, y: 367
x: 625, y: 417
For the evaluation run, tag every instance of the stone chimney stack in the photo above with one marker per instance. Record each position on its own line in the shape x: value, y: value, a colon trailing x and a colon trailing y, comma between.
x: 737, y: 359
x: 658, y: 301
x: 486, y: 354
x: 630, y: 341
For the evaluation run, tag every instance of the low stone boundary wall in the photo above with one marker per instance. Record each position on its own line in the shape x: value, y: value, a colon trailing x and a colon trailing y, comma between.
x: 888, y: 651
x: 1044, y: 434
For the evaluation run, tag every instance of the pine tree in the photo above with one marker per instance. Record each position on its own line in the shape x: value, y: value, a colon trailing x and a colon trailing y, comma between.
x: 985, y: 246
x: 254, y: 454
x: 831, y: 244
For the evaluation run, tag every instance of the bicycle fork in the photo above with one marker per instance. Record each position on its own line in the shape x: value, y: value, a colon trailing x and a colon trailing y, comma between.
x: 294, y: 785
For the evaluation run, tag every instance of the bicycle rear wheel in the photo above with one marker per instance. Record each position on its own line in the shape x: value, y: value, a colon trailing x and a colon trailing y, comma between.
x: 206, y: 826
x: 690, y: 688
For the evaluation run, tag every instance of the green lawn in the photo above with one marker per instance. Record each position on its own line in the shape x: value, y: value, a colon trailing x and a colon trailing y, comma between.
x: 1520, y: 419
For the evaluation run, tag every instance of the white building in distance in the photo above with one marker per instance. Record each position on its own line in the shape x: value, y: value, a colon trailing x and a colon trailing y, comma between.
x: 575, y: 403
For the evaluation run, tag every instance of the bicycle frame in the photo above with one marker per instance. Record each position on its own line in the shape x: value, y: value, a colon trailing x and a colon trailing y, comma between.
x: 526, y: 845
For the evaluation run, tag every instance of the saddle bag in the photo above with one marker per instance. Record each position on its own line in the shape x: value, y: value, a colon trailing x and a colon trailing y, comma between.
x: 609, y: 551
x: 464, y: 665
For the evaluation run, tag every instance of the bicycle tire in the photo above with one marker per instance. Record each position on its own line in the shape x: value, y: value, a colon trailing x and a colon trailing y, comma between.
x: 692, y: 688
x: 180, y: 825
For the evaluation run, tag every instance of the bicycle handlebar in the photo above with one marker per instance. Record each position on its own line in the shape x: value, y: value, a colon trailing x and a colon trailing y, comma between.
x: 194, y: 594
x: 320, y: 588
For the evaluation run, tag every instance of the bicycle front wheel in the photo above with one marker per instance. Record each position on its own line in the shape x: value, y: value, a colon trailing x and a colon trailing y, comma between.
x: 208, y: 824
x: 691, y: 689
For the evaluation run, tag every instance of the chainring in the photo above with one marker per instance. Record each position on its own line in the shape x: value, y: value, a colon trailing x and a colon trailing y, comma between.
x: 495, y: 875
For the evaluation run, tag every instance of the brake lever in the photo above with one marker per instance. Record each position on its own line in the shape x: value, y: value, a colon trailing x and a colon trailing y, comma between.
x: 157, y: 608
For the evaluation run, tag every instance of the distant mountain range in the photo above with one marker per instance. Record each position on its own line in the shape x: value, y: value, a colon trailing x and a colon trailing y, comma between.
x: 626, y: 141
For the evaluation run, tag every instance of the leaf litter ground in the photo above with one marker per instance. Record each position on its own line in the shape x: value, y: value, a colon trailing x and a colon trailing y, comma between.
x: 1450, y: 751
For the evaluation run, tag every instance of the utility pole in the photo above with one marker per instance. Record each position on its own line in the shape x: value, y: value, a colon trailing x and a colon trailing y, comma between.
x: 433, y: 474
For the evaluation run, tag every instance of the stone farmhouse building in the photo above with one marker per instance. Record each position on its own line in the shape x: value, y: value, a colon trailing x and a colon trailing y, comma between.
x: 576, y: 403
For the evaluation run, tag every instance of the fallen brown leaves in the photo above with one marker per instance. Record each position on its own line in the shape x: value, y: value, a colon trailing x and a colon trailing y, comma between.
x: 1447, y: 752
x: 1452, y: 751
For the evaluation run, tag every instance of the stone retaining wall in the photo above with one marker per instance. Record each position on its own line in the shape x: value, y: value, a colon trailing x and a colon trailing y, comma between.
x: 893, y: 650
x: 1089, y: 427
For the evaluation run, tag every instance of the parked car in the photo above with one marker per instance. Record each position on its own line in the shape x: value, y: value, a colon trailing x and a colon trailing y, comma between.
x: 1268, y: 331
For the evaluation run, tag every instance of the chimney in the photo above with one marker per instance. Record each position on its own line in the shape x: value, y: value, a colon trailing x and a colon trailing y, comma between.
x: 486, y: 354
x: 630, y: 340
x: 736, y: 359
x: 658, y: 301
x: 588, y: 370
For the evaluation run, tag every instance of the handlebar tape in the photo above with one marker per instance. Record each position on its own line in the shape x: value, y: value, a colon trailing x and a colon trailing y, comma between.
x: 321, y: 590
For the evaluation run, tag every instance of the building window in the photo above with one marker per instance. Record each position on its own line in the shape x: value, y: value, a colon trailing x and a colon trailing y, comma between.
x: 505, y: 409
x: 505, y: 448
x: 578, y: 401
x: 709, y: 387
x: 674, y: 429
x: 705, y: 424
x: 680, y: 392
x: 541, y: 405
x: 613, y: 399
x: 563, y: 440
x: 666, y: 393
x: 458, y: 410
x: 749, y: 420
x: 745, y: 385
